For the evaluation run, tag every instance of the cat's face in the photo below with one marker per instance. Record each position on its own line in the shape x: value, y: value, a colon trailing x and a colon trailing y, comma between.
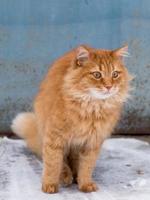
x: 98, y: 74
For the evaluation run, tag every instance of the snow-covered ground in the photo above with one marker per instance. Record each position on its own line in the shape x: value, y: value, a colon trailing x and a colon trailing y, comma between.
x: 122, y: 173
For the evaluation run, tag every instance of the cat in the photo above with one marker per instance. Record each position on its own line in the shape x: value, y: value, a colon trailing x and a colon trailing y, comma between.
x: 76, y: 109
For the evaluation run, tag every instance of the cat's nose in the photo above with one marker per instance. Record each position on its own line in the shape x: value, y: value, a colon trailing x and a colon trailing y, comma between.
x: 108, y: 87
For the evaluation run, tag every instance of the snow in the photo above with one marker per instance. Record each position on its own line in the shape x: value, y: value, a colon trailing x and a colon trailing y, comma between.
x: 138, y: 183
x: 122, y: 173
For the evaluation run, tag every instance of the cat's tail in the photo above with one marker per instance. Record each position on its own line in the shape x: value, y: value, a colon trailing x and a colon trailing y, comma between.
x: 25, y: 126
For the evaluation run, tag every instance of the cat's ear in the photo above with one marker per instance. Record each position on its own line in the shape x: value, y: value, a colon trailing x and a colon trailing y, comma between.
x: 82, y: 55
x: 121, y: 52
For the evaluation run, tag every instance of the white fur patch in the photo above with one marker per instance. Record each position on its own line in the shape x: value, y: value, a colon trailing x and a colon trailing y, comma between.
x: 21, y: 122
x: 94, y: 93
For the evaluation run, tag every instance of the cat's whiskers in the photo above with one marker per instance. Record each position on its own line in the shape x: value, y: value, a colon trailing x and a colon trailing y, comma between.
x: 96, y: 93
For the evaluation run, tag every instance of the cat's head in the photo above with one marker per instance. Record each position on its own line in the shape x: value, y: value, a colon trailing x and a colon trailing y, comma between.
x: 97, y: 74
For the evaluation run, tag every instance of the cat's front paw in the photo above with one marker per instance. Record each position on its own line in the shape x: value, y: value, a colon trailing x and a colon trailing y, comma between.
x: 88, y: 187
x: 50, y: 188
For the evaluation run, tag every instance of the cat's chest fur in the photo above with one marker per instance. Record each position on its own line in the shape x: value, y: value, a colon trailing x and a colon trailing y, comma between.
x: 91, y: 122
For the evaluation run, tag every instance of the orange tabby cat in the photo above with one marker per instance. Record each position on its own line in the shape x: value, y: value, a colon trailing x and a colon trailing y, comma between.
x: 77, y: 107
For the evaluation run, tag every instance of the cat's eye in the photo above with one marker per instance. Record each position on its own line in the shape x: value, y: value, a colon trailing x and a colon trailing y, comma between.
x: 115, y: 74
x: 97, y: 75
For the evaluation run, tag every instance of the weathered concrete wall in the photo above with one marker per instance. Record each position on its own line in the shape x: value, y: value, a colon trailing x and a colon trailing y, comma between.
x: 34, y: 32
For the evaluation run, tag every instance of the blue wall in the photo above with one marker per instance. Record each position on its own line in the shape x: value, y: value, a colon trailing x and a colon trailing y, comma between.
x: 35, y: 32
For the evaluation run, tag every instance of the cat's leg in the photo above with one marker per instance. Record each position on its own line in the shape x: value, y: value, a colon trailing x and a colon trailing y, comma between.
x: 66, y: 177
x: 53, y: 162
x: 87, y: 160
x: 73, y: 160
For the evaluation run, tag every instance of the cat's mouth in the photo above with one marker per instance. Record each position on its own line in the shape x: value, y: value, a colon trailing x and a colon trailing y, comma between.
x: 102, y: 94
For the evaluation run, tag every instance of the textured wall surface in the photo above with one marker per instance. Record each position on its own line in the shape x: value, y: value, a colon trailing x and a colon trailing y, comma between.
x: 34, y: 32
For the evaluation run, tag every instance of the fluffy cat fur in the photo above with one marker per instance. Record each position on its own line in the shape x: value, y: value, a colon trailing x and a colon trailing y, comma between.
x: 77, y: 107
